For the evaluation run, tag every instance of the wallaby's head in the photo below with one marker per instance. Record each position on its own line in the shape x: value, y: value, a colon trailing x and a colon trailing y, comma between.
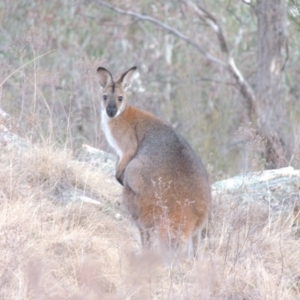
x: 114, y: 97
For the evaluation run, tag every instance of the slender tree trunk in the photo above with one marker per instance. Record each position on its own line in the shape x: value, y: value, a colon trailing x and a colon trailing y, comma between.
x: 271, y: 39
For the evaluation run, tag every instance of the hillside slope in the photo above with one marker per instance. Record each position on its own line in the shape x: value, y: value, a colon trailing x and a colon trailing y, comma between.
x: 54, y: 246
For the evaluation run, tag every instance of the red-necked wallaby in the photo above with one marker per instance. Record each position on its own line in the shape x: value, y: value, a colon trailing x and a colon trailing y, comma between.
x: 165, y: 185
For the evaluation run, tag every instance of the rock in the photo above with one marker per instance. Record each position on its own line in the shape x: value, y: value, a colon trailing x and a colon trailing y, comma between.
x: 7, y: 137
x: 105, y: 161
x: 75, y: 195
x: 279, y: 189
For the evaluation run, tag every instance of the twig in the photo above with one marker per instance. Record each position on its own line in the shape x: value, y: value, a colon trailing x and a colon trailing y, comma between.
x: 24, y: 66
x: 211, y: 21
x: 110, y: 24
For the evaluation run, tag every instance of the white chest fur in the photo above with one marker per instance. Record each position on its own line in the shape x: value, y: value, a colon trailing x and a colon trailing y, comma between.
x: 109, y: 137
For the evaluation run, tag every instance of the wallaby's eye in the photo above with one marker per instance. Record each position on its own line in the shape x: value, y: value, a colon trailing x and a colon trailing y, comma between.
x: 120, y: 98
x: 104, y: 97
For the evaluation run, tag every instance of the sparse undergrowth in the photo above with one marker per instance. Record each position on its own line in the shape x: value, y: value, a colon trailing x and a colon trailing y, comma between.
x: 51, y: 249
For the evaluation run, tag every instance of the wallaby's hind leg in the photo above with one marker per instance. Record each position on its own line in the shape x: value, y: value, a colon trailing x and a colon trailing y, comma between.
x: 146, y: 238
x: 194, y: 242
x: 130, y: 201
x: 133, y: 176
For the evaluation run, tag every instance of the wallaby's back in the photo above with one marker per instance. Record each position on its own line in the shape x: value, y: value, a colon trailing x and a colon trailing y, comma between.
x: 165, y: 185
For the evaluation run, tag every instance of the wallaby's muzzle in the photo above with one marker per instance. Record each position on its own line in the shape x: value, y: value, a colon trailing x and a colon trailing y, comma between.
x: 111, y: 110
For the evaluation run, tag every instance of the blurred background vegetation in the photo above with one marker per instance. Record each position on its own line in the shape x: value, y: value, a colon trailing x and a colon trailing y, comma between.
x: 50, y: 50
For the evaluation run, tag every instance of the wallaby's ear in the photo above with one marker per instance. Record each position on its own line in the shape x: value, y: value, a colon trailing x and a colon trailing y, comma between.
x: 126, y: 78
x: 104, y: 76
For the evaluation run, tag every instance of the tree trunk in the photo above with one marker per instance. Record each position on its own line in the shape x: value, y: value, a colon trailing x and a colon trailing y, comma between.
x: 271, y: 39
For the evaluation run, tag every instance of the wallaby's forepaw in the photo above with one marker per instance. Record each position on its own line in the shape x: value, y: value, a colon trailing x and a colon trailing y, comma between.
x: 120, y: 178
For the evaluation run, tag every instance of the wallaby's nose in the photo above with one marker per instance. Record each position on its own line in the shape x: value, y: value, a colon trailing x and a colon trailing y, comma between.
x: 111, y: 110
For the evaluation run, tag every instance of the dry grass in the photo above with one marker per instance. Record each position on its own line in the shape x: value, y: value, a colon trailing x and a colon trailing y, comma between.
x: 51, y: 249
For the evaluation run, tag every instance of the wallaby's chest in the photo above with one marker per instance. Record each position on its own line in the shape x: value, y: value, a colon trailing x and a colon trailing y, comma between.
x: 109, y: 135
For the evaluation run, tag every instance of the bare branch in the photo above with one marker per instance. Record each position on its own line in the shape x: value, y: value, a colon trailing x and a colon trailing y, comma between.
x: 166, y: 27
x: 211, y: 21
x: 243, y: 86
x: 248, y: 2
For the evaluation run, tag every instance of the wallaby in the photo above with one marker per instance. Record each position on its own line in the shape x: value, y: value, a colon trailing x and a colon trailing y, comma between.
x: 165, y: 185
